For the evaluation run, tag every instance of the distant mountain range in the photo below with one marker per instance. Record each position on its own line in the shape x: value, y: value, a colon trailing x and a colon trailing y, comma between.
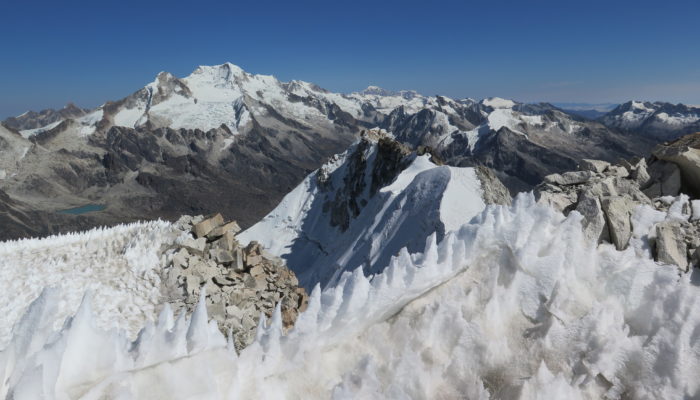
x: 222, y: 139
x: 587, y: 110
x: 661, y: 121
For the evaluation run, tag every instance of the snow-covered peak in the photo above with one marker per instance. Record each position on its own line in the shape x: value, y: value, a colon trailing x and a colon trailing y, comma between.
x: 377, y: 91
x: 497, y: 102
x: 663, y: 120
x: 365, y: 205
x: 217, y: 73
x: 641, y: 106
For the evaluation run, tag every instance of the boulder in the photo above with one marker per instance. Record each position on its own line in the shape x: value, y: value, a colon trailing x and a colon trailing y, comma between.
x: 221, y: 256
x: 685, y: 153
x: 695, y: 209
x: 569, y: 178
x: 560, y: 201
x: 253, y: 248
x: 664, y: 180
x: 597, y: 166
x: 604, y: 188
x: 618, y: 211
x: 594, y: 227
x: 252, y: 260
x: 202, y: 228
x: 640, y: 173
x: 257, y: 270
x: 237, y: 265
x: 670, y: 245
x: 226, y: 242
x: 618, y: 171
x: 231, y: 227
x: 195, y: 246
x: 180, y: 258
x: 671, y: 186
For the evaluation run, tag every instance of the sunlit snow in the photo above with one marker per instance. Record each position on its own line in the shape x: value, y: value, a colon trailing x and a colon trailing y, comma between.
x: 513, y: 305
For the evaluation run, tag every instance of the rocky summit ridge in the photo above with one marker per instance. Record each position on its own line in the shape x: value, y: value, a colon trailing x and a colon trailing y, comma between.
x: 650, y: 204
x: 237, y: 284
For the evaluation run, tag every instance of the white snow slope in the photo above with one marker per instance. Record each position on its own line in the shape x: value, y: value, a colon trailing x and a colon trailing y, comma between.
x: 424, y: 198
x: 513, y: 305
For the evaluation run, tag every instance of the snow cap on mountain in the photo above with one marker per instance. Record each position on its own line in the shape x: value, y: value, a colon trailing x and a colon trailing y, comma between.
x: 377, y: 91
x: 497, y: 102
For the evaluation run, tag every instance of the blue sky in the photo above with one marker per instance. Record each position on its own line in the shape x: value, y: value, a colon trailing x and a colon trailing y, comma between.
x: 574, y: 51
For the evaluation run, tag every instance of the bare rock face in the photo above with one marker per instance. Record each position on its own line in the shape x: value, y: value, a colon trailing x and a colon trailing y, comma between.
x: 240, y: 283
x: 597, y: 166
x: 494, y: 192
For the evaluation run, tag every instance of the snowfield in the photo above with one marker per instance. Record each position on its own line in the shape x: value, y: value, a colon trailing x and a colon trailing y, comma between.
x: 119, y: 265
x: 514, y: 304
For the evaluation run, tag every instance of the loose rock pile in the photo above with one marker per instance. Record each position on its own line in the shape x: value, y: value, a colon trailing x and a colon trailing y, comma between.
x: 240, y: 283
x: 608, y: 196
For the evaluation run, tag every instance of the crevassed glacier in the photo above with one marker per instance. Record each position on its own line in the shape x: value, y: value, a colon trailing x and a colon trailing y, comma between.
x: 513, y: 305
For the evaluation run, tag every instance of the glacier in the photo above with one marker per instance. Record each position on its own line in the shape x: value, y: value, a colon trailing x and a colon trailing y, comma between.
x: 514, y: 304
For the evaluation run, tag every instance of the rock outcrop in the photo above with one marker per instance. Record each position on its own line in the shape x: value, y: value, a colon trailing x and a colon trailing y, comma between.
x: 684, y: 152
x: 240, y: 283
x: 611, y: 196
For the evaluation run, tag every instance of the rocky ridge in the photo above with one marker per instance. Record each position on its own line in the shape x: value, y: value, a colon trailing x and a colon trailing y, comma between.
x: 35, y: 120
x: 369, y: 203
x: 240, y: 283
x: 169, y: 148
x: 641, y: 201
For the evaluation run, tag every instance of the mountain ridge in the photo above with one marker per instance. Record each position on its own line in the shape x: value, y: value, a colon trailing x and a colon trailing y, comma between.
x: 173, y: 146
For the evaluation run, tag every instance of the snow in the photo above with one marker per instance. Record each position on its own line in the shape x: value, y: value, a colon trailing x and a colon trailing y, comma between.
x: 217, y: 92
x: 27, y: 133
x: 638, y: 105
x: 515, y: 304
x: 385, y: 101
x: 120, y: 265
x: 504, y: 117
x: 88, y: 122
x: 128, y: 117
x: 462, y: 198
x: 677, y: 119
x: 497, y: 102
x: 532, y: 119
x: 499, y: 118
x: 422, y: 199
